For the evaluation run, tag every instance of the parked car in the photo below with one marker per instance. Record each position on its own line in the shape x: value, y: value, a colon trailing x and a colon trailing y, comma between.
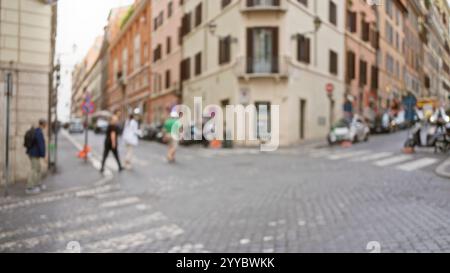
x: 101, y: 125
x: 399, y: 121
x: 354, y: 131
x: 382, y: 124
x: 76, y: 126
x: 150, y: 132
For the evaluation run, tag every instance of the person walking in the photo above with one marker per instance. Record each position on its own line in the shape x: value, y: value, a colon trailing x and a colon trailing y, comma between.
x: 35, y: 146
x: 131, y: 140
x: 171, y: 124
x: 111, y: 143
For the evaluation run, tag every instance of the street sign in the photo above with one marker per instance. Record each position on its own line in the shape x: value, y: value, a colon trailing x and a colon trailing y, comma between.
x: 88, y: 107
x: 329, y: 88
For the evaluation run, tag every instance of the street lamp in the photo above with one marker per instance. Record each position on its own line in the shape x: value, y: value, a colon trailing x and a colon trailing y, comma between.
x: 317, y: 25
x: 212, y: 28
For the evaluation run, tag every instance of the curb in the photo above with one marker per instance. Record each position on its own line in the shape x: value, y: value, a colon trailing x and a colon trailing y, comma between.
x: 441, y: 169
x: 92, y: 158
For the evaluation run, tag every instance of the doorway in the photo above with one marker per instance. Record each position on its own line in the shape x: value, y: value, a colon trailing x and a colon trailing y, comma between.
x: 302, y: 118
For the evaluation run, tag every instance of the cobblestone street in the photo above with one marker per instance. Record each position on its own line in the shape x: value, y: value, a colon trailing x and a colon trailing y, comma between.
x: 303, y: 199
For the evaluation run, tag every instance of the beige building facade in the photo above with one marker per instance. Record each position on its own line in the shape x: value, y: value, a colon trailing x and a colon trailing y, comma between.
x: 26, y: 49
x: 266, y: 53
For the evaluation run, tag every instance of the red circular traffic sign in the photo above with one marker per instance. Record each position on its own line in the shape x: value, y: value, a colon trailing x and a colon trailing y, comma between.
x: 330, y: 88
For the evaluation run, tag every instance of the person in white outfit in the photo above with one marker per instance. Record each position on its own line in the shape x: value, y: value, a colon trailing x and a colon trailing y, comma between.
x: 131, y: 139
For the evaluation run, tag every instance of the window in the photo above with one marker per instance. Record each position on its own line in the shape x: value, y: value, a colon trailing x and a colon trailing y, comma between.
x: 333, y: 62
x: 198, y: 64
x: 224, y: 50
x: 362, y: 73
x: 124, y: 61
x: 304, y: 2
x: 303, y: 49
x: 169, y: 44
x: 333, y: 13
x: 351, y: 21
x: 169, y: 9
x: 225, y: 3
x: 186, y: 24
x: 198, y: 15
x: 351, y: 62
x: 168, y: 79
x: 262, y: 50
x: 263, y: 120
x: 365, y: 27
x: 185, y: 69
x: 137, y: 51
x: 157, y: 54
x: 374, y: 84
x: 115, y: 70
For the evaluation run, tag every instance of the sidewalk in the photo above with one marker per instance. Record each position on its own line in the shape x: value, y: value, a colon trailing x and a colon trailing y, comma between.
x: 444, y: 169
x: 72, y: 173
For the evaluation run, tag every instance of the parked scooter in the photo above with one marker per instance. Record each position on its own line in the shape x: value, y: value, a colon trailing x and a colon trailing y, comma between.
x: 419, y: 133
x: 441, y: 137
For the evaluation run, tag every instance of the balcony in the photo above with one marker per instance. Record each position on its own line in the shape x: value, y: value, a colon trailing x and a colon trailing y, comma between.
x: 247, y: 68
x: 252, y: 6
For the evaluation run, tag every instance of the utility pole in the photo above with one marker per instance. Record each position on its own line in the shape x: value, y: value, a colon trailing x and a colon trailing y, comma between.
x: 8, y: 94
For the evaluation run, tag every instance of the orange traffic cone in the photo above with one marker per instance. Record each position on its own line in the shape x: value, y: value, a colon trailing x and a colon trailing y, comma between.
x: 346, y: 144
x: 408, y: 150
x: 83, y: 154
x: 216, y: 144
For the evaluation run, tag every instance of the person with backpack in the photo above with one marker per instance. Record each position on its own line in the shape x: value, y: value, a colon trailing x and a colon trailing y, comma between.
x: 35, y: 146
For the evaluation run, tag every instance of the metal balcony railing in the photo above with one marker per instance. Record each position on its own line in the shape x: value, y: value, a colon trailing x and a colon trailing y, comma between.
x: 263, y: 5
x: 261, y: 67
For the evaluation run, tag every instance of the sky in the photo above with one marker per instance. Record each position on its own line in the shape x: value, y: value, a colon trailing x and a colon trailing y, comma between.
x: 79, y: 23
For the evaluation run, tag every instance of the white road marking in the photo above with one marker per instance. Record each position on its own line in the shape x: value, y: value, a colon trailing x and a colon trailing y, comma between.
x: 393, y: 160
x: 59, y: 195
x: 121, y: 202
x: 79, y: 234
x: 49, y: 227
x: 319, y: 153
x: 121, y: 243
x: 372, y: 157
x: 417, y: 164
x: 346, y: 155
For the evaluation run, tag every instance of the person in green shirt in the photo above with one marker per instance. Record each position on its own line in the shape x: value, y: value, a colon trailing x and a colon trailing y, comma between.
x: 172, y: 123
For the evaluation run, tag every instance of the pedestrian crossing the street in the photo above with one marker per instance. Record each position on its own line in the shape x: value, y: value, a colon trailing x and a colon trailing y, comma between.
x: 104, y: 221
x: 402, y: 162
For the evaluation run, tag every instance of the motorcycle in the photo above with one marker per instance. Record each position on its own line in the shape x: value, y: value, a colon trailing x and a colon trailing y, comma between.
x: 421, y: 134
x: 441, y: 138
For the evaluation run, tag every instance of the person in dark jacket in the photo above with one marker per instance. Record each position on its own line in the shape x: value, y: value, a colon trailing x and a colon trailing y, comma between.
x: 111, y: 143
x: 36, y: 152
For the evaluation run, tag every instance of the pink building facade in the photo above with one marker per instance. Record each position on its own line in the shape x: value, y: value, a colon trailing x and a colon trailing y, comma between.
x: 361, y: 40
x: 166, y: 57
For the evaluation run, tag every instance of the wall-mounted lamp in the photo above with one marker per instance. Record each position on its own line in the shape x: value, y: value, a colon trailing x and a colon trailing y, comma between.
x: 212, y: 28
x: 317, y: 25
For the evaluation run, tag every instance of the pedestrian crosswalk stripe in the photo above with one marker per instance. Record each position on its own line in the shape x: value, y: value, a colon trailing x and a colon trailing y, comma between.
x: 121, y: 202
x: 417, y: 164
x: 348, y: 155
x: 372, y: 157
x: 30, y: 243
x: 393, y: 160
x: 52, y: 226
x: 124, y: 242
x: 319, y: 153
